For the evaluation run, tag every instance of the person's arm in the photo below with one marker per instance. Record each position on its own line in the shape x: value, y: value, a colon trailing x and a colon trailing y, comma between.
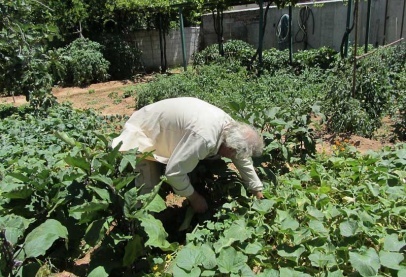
x: 249, y: 176
x: 183, y: 160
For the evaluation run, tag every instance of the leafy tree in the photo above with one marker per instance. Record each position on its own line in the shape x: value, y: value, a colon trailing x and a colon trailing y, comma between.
x: 70, y: 16
x: 25, y: 30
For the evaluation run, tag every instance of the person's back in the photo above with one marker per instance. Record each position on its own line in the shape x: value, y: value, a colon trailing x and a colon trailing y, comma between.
x: 160, y: 126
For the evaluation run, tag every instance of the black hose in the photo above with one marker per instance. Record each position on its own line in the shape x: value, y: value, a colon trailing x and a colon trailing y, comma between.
x: 304, y: 15
x: 282, y: 28
x: 346, y: 35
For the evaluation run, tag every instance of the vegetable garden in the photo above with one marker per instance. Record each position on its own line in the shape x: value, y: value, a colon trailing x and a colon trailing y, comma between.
x: 67, y: 200
x: 66, y: 194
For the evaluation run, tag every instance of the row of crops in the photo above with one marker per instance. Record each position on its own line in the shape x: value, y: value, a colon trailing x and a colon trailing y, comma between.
x: 67, y: 201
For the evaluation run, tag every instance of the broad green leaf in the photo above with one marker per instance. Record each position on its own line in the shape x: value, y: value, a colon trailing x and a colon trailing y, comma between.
x: 95, y: 205
x: 209, y: 257
x: 179, y: 272
x: 14, y: 227
x: 189, y: 257
x: 156, y: 205
x: 285, y: 153
x: 365, y: 217
x: 79, y: 162
x: 66, y: 138
x: 238, y: 231
x: 301, y: 235
x: 322, y: 260
x: 102, y: 193
x: 222, y: 243
x: 114, y: 153
x: 289, y: 223
x: 263, y: 206
x: 253, y: 248
x: 391, y: 243
x: 122, y: 182
x: 277, y: 121
x: 20, y: 177
x: 245, y: 271
x: 207, y: 273
x: 236, y: 106
x: 102, y: 138
x: 127, y: 159
x: 131, y: 203
x: 289, y: 272
x: 314, y: 212
x: 192, y: 256
x: 337, y: 273
x: 401, y: 153
x: 390, y: 259
x: 373, y: 188
x: 133, y: 250
x: 269, y: 273
x: 348, y: 228
x: 96, y: 231
x: 401, y: 174
x: 15, y: 190
x: 286, y: 220
x: 271, y: 113
x: 231, y: 261
x: 318, y: 227
x: 101, y: 178
x: 402, y: 272
x: 366, y: 263
x: 41, y: 238
x: 148, y: 198
x: 99, y: 271
x: 156, y: 232
x: 291, y: 253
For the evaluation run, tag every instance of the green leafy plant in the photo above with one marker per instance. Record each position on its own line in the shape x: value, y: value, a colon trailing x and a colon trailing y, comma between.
x: 70, y: 193
x: 24, y: 34
x: 398, y: 109
x: 82, y: 63
x: 323, y: 58
x: 288, y: 135
x: 358, y: 111
x: 331, y: 217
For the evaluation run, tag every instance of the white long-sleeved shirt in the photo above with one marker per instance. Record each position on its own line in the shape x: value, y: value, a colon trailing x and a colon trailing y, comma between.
x: 181, y: 132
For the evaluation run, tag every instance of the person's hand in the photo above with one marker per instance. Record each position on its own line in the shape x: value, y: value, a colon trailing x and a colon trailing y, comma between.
x: 198, y: 202
x: 258, y: 194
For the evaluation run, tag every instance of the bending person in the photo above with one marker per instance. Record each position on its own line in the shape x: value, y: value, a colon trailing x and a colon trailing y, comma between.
x: 181, y: 132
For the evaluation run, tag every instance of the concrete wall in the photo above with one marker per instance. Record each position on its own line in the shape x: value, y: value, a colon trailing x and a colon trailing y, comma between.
x: 329, y: 27
x: 329, y: 24
x: 148, y: 43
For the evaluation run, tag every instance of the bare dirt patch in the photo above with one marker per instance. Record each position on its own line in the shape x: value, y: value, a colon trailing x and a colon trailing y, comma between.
x: 115, y: 97
x: 327, y: 144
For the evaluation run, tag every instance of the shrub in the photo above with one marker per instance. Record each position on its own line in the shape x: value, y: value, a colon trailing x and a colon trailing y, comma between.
x: 396, y: 58
x: 323, y: 57
x: 213, y: 83
x: 237, y: 50
x: 7, y: 110
x: 398, y: 109
x: 274, y: 60
x: 360, y: 112
x: 241, y: 53
x: 81, y: 63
